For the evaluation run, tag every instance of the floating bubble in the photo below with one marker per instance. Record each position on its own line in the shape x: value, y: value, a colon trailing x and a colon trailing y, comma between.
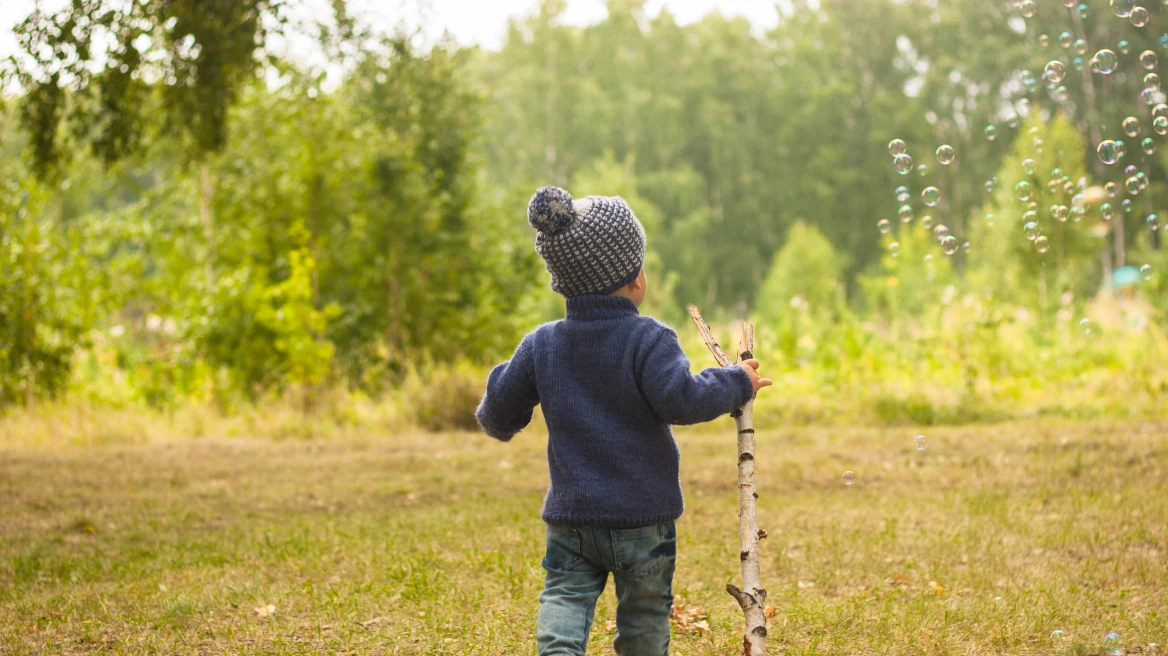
x: 1080, y: 46
x: 905, y: 213
x: 1160, y: 125
x: 1056, y: 633
x: 1124, y: 46
x: 1132, y: 185
x: 1150, y: 96
x: 1108, y: 152
x: 1111, y: 637
x: 1104, y: 62
x: 1123, y: 8
x: 990, y: 184
x: 1148, y: 145
x: 1043, y: 40
x: 1061, y: 94
x: 1143, y: 178
x: 991, y: 132
x: 927, y: 222
x: 930, y: 196
x: 1084, y: 12
x: 849, y: 478
x: 1022, y: 190
x: 1161, y: 109
x: 1126, y: 204
x: 920, y: 440
x: 945, y: 155
x: 949, y: 244
x: 894, y: 249
x: 896, y: 147
x: 1152, y: 81
x: 1085, y: 325
x: 1056, y: 172
x: 1054, y: 72
x: 1060, y: 213
x: 1131, y: 126
x: 989, y: 218
x: 902, y: 163
x: 1129, y: 170
x: 940, y: 232
x: 1106, y: 211
x: 1042, y: 244
x: 1153, y: 222
x: 1038, y: 145
x: 1028, y: 166
x: 1112, y: 189
x: 923, y: 169
x: 1077, y: 64
x: 929, y: 260
x: 1030, y: 230
x: 1146, y: 271
x: 884, y: 226
x: 1139, y: 17
x: 1053, y: 185
x: 1148, y: 59
x: 1065, y: 39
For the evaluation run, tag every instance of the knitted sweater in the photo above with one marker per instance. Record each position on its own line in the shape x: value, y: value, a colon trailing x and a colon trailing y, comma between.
x: 611, y: 382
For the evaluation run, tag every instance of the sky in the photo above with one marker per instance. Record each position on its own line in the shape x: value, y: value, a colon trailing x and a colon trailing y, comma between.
x: 471, y: 22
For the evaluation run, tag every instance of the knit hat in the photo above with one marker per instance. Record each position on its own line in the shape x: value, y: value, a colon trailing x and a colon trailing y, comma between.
x: 590, y: 246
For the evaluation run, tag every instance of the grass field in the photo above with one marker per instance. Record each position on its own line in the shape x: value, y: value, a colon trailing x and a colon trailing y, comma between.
x: 984, y: 543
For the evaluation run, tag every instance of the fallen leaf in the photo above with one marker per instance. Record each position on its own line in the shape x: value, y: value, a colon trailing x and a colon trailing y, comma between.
x: 937, y: 587
x: 770, y: 612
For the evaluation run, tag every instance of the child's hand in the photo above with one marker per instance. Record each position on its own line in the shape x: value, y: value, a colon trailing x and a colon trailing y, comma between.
x: 751, y: 367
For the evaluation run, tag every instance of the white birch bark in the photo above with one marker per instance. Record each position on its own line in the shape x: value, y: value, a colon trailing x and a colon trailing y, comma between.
x: 752, y: 596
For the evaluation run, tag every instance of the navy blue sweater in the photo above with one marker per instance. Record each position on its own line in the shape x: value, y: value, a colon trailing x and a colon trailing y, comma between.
x: 611, y: 382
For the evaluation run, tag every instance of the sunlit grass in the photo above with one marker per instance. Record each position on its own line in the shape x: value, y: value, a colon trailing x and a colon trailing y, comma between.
x: 411, y: 543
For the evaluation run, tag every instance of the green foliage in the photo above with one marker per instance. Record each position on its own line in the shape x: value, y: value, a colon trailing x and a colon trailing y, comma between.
x: 446, y: 399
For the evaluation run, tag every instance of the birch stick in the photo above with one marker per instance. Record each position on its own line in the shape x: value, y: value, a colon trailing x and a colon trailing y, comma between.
x: 752, y: 596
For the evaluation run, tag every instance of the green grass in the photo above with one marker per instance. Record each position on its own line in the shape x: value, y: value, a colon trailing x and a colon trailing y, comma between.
x: 431, y: 544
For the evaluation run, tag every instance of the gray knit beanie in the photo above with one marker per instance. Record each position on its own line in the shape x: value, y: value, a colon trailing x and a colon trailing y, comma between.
x: 591, y: 246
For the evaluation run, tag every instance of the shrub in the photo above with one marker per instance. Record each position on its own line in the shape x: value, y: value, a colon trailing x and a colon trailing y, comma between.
x: 445, y: 399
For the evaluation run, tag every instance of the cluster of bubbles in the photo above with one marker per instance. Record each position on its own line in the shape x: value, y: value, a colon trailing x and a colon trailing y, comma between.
x: 930, y: 196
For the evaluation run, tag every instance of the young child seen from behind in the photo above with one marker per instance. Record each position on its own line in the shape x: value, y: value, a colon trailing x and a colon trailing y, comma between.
x: 611, y: 383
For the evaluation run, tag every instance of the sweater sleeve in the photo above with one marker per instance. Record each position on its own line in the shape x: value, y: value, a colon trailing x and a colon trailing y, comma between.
x: 679, y: 397
x: 511, y: 395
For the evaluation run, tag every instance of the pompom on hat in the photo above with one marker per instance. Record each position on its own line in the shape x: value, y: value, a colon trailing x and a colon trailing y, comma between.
x: 590, y: 246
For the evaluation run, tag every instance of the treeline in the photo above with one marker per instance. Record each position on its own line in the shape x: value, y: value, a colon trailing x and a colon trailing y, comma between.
x: 175, y: 225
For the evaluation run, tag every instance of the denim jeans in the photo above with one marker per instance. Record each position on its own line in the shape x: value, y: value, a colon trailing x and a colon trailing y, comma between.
x: 578, y: 562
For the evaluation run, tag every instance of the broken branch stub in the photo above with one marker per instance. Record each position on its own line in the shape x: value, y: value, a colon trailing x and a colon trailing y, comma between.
x: 752, y: 596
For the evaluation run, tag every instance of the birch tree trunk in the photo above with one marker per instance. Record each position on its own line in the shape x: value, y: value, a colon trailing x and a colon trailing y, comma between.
x: 752, y: 596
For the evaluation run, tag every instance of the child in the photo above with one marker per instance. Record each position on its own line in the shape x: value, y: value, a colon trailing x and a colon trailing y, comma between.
x: 611, y: 383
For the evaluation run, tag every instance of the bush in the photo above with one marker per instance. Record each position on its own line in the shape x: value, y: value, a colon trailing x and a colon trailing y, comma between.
x: 446, y: 399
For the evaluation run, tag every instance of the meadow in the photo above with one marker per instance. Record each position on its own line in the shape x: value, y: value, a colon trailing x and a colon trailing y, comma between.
x: 988, y: 541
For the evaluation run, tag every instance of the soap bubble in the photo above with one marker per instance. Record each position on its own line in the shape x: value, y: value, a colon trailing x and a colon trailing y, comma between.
x: 896, y: 147
x: 894, y: 249
x: 1148, y: 59
x: 1065, y: 39
x: 1146, y: 271
x: 1132, y: 185
x: 989, y: 218
x: 1124, y: 46
x: 1060, y: 213
x: 1077, y: 63
x: 1054, y: 72
x: 1152, y: 81
x: 1126, y: 204
x: 1104, y: 62
x: 1080, y: 46
x: 927, y: 222
x: 1030, y: 230
x: 1108, y: 152
x: 902, y: 163
x: 1106, y: 211
x: 1053, y: 185
x: 884, y: 226
x: 1041, y: 244
x: 1159, y: 110
x: 1085, y: 325
x: 1056, y: 633
x: 920, y: 440
x: 1111, y: 637
x: 1139, y: 17
x: 1084, y: 11
x: 1160, y: 125
x: 1129, y: 170
x: 945, y: 155
x: 949, y: 244
x: 1028, y: 166
x: 1123, y: 8
x: 1143, y: 178
x: 1153, y: 222
x: 1112, y: 189
x: 923, y: 169
x: 1022, y: 190
x: 1131, y: 126
x: 902, y: 194
x: 991, y: 132
x: 931, y: 195
x: 1148, y: 145
x: 849, y: 477
x: 1043, y: 40
x: 1038, y: 145
x: 905, y: 213
x: 989, y: 185
x: 940, y: 232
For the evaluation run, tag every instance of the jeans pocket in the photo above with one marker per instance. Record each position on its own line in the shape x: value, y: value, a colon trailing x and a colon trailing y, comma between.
x: 563, y: 548
x: 645, y: 550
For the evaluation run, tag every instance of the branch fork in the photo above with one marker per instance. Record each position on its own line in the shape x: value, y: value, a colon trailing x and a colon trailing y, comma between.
x: 752, y: 596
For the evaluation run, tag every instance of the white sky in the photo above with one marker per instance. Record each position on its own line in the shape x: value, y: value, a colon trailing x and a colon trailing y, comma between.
x: 481, y: 22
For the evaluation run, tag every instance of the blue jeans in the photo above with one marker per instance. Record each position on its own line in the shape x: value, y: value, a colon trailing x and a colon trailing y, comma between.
x: 578, y: 562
